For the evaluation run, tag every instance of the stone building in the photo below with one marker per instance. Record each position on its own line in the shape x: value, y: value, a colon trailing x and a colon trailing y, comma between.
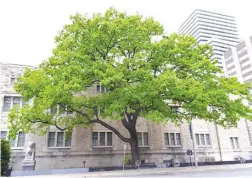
x: 98, y: 146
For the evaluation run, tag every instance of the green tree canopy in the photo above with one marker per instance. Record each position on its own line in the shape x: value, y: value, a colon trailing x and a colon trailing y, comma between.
x: 142, y: 71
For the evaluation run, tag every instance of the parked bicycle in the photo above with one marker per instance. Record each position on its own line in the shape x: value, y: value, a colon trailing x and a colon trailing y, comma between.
x: 167, y: 163
x: 175, y: 163
x: 241, y: 159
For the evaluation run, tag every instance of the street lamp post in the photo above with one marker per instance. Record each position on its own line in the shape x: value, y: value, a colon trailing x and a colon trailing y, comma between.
x: 193, y: 139
x: 124, y: 148
x: 193, y: 142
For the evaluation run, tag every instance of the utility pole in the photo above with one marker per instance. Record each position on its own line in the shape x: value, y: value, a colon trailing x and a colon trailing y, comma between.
x: 193, y: 142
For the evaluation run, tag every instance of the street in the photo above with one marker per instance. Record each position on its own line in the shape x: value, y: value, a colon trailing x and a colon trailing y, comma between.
x: 245, y: 172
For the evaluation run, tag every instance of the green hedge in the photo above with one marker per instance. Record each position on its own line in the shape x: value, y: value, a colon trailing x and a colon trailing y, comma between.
x: 5, y: 156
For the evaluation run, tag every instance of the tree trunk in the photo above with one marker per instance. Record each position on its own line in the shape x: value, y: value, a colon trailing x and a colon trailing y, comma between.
x: 130, y: 125
x: 134, y: 151
x: 134, y: 145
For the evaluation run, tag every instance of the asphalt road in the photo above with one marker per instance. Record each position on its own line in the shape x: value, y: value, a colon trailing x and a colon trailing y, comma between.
x: 238, y: 173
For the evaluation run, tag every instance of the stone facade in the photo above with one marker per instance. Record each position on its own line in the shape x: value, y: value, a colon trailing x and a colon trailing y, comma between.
x: 81, y: 149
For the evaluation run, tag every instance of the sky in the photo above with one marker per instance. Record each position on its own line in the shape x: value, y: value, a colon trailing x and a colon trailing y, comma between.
x: 28, y: 27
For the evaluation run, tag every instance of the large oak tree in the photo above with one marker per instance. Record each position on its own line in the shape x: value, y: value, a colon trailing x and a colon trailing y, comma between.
x: 145, y: 73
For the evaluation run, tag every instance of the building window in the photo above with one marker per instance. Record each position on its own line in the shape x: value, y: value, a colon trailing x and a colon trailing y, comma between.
x: 101, y: 139
x: 178, y: 140
x: 109, y: 138
x: 10, y: 102
x: 100, y: 89
x: 3, y: 135
x: 242, y: 54
x: 7, y: 104
x: 231, y: 74
x: 51, y: 139
x: 145, y: 139
x: 172, y: 139
x: 58, y: 139
x: 234, y: 142
x: 13, y: 80
x: 142, y: 138
x: 56, y: 109
x: 19, y: 141
x: 202, y: 139
x: 16, y: 101
x: 207, y: 139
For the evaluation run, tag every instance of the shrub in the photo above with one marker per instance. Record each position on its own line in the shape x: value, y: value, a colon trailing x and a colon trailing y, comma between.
x: 127, y: 159
x: 5, y: 156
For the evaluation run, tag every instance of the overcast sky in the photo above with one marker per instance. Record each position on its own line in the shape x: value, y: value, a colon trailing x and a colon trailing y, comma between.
x: 28, y: 27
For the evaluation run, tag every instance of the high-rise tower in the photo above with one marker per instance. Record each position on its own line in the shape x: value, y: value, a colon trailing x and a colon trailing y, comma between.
x: 218, y: 30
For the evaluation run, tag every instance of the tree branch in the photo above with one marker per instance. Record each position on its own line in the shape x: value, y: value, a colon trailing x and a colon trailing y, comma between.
x: 125, y: 123
x: 89, y: 121
x: 182, y: 113
x: 59, y: 127
x: 37, y: 120
x: 91, y: 84
x: 134, y: 52
x: 81, y: 113
x: 109, y: 48
x: 102, y: 55
x: 134, y: 120
x: 110, y: 128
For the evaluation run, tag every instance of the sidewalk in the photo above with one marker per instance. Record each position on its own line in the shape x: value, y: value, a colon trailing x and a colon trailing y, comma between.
x: 146, y: 172
x: 168, y: 170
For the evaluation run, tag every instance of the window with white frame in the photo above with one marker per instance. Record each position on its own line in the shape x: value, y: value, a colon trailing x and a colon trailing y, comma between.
x: 11, y: 101
x: 234, y: 142
x: 142, y: 138
x: 3, y: 135
x: 59, y: 139
x: 101, y: 139
x: 19, y: 141
x: 202, y: 139
x: 172, y: 139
